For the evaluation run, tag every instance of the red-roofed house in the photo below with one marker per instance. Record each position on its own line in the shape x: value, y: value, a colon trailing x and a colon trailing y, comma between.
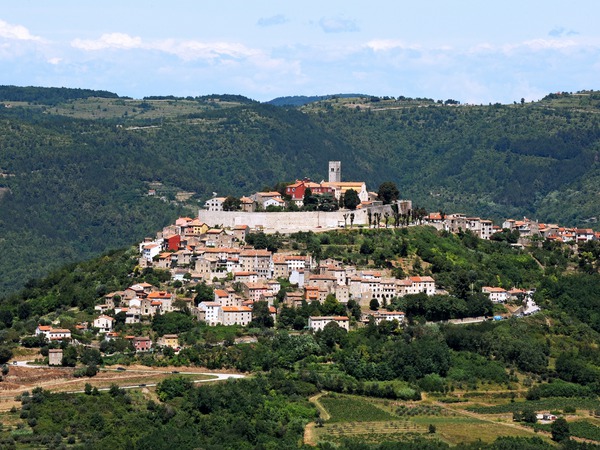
x: 142, y: 343
x: 53, y: 334
x: 104, y: 323
x: 254, y: 291
x: 296, y: 190
x: 172, y: 242
x: 496, y: 294
x: 236, y: 315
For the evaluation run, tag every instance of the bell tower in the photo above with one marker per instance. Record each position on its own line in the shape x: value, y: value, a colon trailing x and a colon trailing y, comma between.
x: 335, y: 171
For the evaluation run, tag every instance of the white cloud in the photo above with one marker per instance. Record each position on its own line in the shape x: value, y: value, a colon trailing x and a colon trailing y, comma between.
x: 186, y: 50
x: 543, y: 44
x: 110, y: 40
x: 193, y: 50
x: 17, y: 32
x: 383, y: 45
x: 54, y: 61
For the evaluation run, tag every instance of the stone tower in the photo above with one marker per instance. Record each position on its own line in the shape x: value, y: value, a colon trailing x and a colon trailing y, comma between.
x: 335, y: 171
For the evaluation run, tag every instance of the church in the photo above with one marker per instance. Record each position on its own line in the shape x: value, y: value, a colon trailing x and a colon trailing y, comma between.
x: 334, y: 186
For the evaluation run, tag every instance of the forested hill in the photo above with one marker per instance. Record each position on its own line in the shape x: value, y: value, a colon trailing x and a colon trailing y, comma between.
x: 49, y: 96
x: 74, y: 174
x: 301, y: 100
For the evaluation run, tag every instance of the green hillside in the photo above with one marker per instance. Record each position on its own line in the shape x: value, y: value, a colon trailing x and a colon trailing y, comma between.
x: 74, y: 173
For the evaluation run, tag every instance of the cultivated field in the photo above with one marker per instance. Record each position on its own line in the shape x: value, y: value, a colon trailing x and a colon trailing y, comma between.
x: 376, y: 420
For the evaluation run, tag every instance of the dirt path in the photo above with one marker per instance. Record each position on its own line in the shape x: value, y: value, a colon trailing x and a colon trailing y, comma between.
x: 310, y: 435
x: 23, y: 378
x: 315, y: 400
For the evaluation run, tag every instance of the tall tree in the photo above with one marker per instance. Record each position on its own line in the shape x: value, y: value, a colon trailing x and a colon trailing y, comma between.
x: 560, y: 430
x: 261, y: 316
x: 231, y: 203
x: 388, y: 192
x: 309, y: 200
x: 351, y: 200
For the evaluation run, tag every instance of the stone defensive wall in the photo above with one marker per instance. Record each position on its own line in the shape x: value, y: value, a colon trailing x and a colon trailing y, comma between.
x: 291, y: 222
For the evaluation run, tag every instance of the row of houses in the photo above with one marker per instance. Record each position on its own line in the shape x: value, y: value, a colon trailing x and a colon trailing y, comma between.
x: 527, y: 228
x: 455, y: 223
x: 318, y: 323
x: 137, y: 301
x: 500, y: 295
x: 139, y: 343
x: 346, y: 282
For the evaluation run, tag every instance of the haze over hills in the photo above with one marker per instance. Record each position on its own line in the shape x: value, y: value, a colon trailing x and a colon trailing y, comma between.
x: 76, y: 165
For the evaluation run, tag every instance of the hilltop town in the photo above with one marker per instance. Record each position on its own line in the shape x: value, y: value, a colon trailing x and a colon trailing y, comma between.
x: 240, y: 276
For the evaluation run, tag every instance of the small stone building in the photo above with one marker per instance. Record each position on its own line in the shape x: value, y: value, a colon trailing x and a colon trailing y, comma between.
x: 55, y: 356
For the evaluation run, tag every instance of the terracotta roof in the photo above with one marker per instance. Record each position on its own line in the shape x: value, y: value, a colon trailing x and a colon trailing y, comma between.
x: 269, y: 194
x: 252, y: 253
x: 422, y: 280
x: 336, y: 318
x: 256, y: 286
x: 491, y: 289
x: 236, y: 309
x: 105, y: 317
x: 159, y: 294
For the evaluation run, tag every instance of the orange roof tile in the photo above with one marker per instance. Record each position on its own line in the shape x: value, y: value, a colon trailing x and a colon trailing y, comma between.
x: 236, y: 309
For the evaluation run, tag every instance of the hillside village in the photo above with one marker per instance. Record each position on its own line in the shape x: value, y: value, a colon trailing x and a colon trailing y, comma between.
x: 240, y: 276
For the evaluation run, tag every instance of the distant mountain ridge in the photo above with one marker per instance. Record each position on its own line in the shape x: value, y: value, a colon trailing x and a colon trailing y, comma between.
x: 301, y: 100
x: 49, y: 95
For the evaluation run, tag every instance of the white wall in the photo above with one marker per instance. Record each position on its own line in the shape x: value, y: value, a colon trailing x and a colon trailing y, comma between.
x: 289, y: 222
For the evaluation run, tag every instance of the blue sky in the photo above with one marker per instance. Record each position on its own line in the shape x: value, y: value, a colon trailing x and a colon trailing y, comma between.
x: 474, y: 51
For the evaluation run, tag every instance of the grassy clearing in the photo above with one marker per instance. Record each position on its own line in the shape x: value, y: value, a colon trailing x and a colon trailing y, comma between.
x: 345, y: 408
x: 455, y: 430
x: 111, y: 108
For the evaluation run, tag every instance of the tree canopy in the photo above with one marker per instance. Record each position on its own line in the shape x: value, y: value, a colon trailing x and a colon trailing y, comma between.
x: 388, y: 192
x: 351, y: 200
